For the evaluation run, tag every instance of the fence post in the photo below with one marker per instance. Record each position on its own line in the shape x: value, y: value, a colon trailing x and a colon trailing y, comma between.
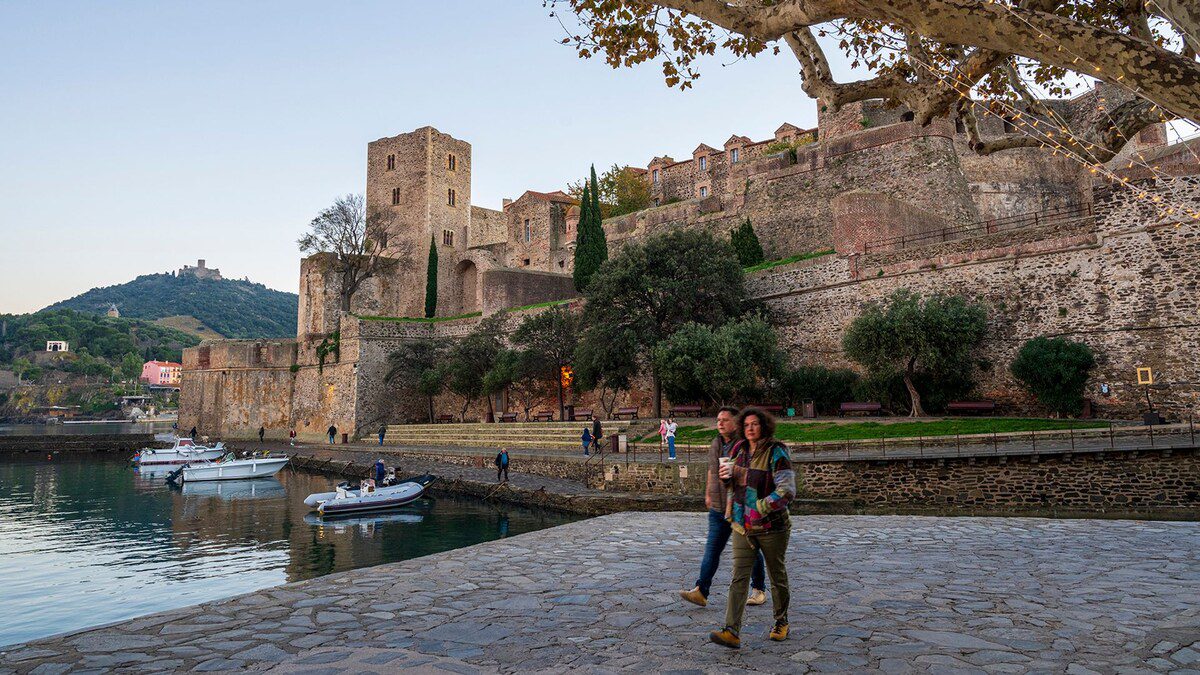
x: 1071, y: 429
x: 1112, y: 444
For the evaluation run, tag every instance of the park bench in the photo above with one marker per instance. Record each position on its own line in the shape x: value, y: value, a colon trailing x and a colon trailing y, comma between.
x: 544, y: 416
x: 869, y: 407
x: 971, y: 406
x: 585, y: 414
x: 632, y: 412
x: 508, y: 417
x: 681, y: 410
x: 773, y: 408
x: 445, y: 418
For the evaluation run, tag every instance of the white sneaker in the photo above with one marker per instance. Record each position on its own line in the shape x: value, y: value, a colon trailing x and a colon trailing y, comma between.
x: 756, y: 597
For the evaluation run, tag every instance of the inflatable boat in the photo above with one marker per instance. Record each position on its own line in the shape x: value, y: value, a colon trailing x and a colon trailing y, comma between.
x: 369, y: 498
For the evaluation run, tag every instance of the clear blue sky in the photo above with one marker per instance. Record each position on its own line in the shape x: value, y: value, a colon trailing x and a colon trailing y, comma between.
x: 139, y: 136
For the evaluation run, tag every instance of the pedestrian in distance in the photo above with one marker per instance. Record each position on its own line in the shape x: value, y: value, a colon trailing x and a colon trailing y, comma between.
x: 719, y: 530
x: 380, y: 471
x: 262, y: 432
x: 502, y: 465
x: 662, y: 436
x: 597, y: 433
x: 761, y: 483
x: 671, y: 427
x: 192, y: 433
x: 382, y: 433
x: 587, y: 441
x: 292, y: 437
x: 332, y: 432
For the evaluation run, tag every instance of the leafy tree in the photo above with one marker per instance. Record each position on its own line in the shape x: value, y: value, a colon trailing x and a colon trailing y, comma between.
x: 520, y: 373
x: 415, y: 365
x: 355, y: 238
x: 470, y: 359
x: 605, y: 362
x: 907, y: 332
x: 25, y: 370
x: 591, y: 244
x: 825, y: 387
x: 620, y: 190
x: 131, y: 366
x: 549, y: 338
x: 652, y: 289
x: 431, y: 288
x: 430, y: 384
x: 936, y: 57
x: 719, y: 364
x: 745, y: 243
x: 1055, y: 370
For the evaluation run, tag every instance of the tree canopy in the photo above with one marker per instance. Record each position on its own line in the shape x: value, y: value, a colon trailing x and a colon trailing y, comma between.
x: 937, y: 57
x: 1055, y: 370
x: 722, y: 364
x: 548, y: 339
x: 358, y: 241
x: 591, y: 244
x: 621, y: 190
x: 907, y: 332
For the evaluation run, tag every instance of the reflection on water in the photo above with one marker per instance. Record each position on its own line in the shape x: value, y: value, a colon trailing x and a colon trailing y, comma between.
x: 87, y: 540
x: 85, y: 428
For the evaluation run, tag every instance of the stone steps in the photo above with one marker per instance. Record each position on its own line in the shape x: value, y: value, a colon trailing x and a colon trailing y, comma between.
x: 548, y: 435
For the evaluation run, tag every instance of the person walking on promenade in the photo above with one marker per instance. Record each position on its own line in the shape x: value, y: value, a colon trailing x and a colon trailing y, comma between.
x: 382, y: 433
x: 192, y: 433
x: 761, y: 484
x: 262, y: 432
x: 502, y: 465
x: 597, y: 433
x: 332, y: 433
x: 292, y: 437
x: 671, y: 427
x: 718, y: 528
x: 587, y: 441
x: 662, y: 436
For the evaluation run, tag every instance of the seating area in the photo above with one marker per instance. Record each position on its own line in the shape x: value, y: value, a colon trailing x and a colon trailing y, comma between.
x: 508, y: 417
x: 516, y: 435
x: 773, y: 408
x: 544, y: 416
x: 632, y: 413
x: 685, y: 411
x: 868, y: 407
x: 971, y: 407
x: 583, y: 414
x: 445, y: 418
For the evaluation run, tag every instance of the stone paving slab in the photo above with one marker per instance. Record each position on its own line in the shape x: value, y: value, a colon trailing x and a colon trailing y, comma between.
x: 869, y: 594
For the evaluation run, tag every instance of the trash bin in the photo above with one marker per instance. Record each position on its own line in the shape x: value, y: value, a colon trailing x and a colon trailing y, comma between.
x: 618, y: 443
x: 491, y: 417
x: 345, y: 438
x: 809, y: 409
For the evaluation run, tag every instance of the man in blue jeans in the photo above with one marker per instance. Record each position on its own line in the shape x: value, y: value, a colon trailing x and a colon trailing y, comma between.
x: 719, y: 530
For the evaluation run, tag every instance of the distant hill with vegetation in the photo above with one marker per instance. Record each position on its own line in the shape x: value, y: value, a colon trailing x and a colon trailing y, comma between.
x: 205, y: 307
x: 90, y: 337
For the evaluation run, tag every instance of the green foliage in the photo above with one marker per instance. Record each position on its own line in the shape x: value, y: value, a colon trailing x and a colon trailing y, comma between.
x: 825, y: 387
x: 470, y: 359
x: 907, y: 333
x: 735, y: 361
x: 96, y: 341
x: 548, y: 339
x: 235, y: 309
x: 26, y: 370
x: 808, y: 432
x: 1055, y: 370
x: 416, y: 366
x: 331, y: 344
x: 619, y: 191
x: 745, y: 243
x: 591, y: 244
x: 790, y: 259
x: 131, y: 366
x: 934, y: 390
x: 431, y: 286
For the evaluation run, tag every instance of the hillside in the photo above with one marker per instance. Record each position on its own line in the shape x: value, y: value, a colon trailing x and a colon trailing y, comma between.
x: 189, y: 324
x: 90, y: 337
x: 231, y: 308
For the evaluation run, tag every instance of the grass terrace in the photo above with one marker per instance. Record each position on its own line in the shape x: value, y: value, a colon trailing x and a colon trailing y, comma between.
x: 766, y: 265
x: 805, y: 432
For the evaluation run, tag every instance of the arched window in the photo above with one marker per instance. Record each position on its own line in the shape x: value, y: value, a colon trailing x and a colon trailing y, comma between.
x: 395, y: 196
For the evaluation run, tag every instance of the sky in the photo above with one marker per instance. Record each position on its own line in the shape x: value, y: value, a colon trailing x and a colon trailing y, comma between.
x: 136, y: 137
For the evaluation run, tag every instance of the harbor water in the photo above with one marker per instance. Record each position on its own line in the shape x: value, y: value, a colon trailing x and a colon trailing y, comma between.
x: 86, y: 539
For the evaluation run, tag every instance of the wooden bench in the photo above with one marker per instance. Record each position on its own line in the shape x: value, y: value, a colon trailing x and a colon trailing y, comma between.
x: 870, y: 407
x: 584, y: 414
x: 544, y: 416
x: 445, y: 418
x: 971, y: 406
x: 681, y: 410
x: 773, y: 408
x: 632, y: 412
x: 508, y: 417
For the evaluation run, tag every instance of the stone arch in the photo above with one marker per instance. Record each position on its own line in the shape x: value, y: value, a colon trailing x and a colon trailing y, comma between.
x: 466, y: 275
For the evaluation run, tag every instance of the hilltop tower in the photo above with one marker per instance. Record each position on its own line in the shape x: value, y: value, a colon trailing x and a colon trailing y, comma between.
x: 420, y: 183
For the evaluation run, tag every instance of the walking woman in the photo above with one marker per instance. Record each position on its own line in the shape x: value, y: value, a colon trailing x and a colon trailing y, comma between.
x: 761, y: 484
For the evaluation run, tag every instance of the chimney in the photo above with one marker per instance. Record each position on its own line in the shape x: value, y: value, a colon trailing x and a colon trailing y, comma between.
x: 504, y: 203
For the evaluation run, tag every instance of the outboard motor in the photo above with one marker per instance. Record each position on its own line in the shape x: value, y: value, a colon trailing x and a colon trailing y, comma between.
x: 176, y: 475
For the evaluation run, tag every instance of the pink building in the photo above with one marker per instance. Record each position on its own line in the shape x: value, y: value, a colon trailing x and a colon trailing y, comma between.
x: 162, y: 373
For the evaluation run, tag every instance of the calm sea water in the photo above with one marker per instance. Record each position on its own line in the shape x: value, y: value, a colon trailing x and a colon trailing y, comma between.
x: 85, y: 428
x: 87, y: 540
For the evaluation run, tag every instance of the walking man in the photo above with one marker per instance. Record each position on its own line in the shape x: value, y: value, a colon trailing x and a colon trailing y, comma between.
x: 382, y: 432
x: 597, y: 433
x: 192, y: 433
x: 502, y: 465
x: 332, y: 431
x: 718, y: 528
x: 671, y: 427
x: 262, y: 432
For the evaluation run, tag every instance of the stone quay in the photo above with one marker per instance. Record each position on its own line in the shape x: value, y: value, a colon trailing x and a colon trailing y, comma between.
x: 869, y: 594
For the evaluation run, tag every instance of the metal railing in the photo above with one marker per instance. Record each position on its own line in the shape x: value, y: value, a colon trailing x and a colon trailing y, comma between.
x: 982, y: 227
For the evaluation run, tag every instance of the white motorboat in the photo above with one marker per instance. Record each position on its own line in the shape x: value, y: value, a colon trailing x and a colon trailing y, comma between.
x: 184, y: 451
x: 230, y: 468
x: 370, y: 498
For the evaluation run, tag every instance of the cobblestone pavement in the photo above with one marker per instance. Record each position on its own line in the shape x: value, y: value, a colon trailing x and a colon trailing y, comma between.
x: 887, y: 593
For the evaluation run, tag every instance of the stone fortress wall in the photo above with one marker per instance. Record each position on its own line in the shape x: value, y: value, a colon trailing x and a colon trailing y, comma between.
x: 1123, y: 279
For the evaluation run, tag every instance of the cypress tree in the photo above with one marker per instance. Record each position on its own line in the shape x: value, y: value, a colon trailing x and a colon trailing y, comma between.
x: 745, y: 243
x: 591, y: 245
x: 597, y: 240
x: 431, y: 280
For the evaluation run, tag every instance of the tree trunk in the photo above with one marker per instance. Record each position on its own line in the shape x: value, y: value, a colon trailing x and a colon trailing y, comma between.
x: 917, y: 410
x: 657, y: 397
x: 431, y: 410
x: 491, y: 408
x: 561, y: 409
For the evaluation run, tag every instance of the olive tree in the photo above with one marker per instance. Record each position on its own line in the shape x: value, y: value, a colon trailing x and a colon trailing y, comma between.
x: 1055, y: 370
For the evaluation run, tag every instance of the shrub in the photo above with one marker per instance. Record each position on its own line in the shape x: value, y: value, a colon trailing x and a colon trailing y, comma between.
x: 826, y: 387
x: 1055, y: 371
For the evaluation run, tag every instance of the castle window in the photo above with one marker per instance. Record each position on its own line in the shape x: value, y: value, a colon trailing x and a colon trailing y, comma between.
x: 450, y: 196
x: 655, y: 174
x: 391, y: 163
x: 703, y: 163
x: 525, y: 262
x: 703, y: 192
x: 451, y: 162
x: 733, y: 156
x: 561, y: 264
x: 656, y: 201
x: 907, y: 117
x: 448, y: 237
x: 528, y: 236
x: 395, y: 196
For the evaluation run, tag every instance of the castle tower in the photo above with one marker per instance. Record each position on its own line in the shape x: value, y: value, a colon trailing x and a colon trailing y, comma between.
x: 420, y: 184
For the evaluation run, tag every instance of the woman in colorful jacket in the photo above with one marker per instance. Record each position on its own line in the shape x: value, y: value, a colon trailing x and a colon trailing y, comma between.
x: 761, y: 484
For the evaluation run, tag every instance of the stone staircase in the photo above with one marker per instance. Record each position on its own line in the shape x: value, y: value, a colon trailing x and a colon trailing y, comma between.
x: 541, y: 435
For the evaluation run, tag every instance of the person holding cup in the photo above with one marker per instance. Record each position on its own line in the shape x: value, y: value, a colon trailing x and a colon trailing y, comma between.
x: 761, y: 483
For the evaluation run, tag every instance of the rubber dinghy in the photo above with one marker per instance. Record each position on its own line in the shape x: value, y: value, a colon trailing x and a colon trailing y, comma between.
x: 345, y: 500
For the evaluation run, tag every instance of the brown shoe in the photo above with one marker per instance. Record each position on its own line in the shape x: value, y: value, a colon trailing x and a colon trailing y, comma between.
x: 726, y: 638
x: 756, y: 597
x: 694, y: 596
x: 780, y: 632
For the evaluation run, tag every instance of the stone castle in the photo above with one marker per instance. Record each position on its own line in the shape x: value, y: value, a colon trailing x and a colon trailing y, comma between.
x: 1053, y: 249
